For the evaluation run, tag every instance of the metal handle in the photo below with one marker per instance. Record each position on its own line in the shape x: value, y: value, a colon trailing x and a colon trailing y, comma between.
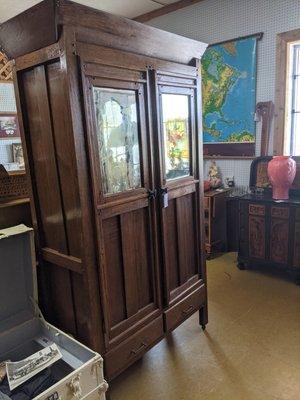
x: 152, y: 194
x: 163, y: 196
x: 142, y: 346
x: 189, y: 309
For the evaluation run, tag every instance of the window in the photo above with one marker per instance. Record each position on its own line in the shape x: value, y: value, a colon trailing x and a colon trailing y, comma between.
x: 292, y: 139
x: 118, y: 139
x: 287, y: 94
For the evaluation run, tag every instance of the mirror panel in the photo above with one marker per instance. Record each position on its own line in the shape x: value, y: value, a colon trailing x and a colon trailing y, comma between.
x: 176, y: 135
x: 118, y: 139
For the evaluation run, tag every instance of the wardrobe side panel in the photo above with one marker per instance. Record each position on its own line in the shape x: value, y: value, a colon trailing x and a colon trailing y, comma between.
x: 50, y: 147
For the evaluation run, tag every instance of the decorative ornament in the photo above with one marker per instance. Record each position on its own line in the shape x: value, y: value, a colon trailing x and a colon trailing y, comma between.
x: 214, y: 175
x: 281, y: 172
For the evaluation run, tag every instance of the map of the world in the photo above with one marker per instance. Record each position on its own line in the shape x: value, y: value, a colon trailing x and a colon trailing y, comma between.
x: 229, y: 82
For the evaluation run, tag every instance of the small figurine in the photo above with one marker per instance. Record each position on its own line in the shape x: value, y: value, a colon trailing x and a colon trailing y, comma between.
x: 229, y: 181
x: 214, y: 175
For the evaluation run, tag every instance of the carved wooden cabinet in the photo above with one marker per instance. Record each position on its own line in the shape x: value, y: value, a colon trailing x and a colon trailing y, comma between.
x: 269, y: 233
x: 110, y: 115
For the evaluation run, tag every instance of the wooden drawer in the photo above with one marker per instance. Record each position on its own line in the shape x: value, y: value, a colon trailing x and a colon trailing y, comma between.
x: 257, y: 209
x: 182, y: 310
x: 133, y: 348
x: 280, y: 212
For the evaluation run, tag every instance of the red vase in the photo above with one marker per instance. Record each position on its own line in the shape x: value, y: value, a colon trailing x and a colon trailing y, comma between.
x: 281, y: 172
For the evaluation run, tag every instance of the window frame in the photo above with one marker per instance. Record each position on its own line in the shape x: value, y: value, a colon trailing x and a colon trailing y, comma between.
x: 282, y: 86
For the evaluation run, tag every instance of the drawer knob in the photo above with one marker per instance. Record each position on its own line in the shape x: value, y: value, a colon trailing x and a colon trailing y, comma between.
x: 188, y: 310
x: 136, y: 351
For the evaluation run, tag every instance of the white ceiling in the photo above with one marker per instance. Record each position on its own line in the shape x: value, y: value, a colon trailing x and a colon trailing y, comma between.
x: 127, y: 8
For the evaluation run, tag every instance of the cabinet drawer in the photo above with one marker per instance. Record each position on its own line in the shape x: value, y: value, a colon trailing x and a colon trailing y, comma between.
x: 280, y: 212
x: 133, y: 348
x: 257, y: 209
x: 186, y: 307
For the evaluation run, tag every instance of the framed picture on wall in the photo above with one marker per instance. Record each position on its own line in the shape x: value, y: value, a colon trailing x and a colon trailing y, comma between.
x: 9, y: 127
x: 18, y: 156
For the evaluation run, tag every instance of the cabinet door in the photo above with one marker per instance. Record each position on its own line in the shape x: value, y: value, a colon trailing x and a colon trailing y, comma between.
x: 257, y: 231
x: 179, y: 193
x: 296, y: 245
x: 279, y: 236
x: 118, y: 134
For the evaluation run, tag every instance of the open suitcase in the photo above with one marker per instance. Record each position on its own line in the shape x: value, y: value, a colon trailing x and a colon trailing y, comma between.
x: 23, y: 330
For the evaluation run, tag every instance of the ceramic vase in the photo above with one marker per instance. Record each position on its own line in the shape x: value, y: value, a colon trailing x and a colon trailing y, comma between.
x: 281, y: 172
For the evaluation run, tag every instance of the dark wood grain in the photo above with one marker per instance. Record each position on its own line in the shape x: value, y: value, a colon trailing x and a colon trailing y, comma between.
x: 269, y: 233
x: 119, y: 32
x: 230, y: 150
x: 38, y: 117
x: 120, y: 260
x: 31, y: 30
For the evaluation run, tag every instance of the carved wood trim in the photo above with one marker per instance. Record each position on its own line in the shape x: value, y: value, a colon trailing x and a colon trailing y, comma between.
x: 279, y: 248
x: 257, y: 241
x: 257, y: 209
x: 280, y: 212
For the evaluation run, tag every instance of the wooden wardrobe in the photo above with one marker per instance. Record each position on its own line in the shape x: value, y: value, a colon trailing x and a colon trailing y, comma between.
x: 117, y: 207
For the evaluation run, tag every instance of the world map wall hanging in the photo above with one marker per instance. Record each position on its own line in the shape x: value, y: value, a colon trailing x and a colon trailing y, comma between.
x: 229, y: 97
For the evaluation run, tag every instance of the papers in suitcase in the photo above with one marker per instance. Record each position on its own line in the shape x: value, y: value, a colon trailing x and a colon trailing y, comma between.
x: 42, y: 362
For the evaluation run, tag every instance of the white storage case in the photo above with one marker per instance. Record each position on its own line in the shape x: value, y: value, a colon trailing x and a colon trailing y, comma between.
x: 23, y: 330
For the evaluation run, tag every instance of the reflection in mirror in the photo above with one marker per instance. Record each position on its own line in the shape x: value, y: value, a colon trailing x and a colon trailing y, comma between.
x: 118, y: 140
x: 175, y: 114
x: 11, y: 152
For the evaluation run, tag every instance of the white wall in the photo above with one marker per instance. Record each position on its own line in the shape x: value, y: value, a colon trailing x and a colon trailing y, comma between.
x: 213, y: 21
x: 7, y: 105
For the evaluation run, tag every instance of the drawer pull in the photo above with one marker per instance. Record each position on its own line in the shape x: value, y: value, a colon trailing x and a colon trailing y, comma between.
x: 188, y: 310
x: 142, y: 346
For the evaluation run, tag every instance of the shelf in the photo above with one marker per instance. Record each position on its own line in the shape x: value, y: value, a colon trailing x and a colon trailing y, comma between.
x: 12, y: 203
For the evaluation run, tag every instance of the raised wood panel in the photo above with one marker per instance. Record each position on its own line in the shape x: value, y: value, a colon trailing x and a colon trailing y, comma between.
x: 37, y: 118
x: 296, y: 255
x: 128, y: 264
x: 186, y: 237
x: 66, y: 163
x: 171, y: 245
x: 137, y: 260
x: 56, y: 280
x: 279, y: 245
x: 114, y: 271
x: 257, y: 245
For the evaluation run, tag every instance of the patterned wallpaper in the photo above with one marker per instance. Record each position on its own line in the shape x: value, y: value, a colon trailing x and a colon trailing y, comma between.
x: 213, y: 21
